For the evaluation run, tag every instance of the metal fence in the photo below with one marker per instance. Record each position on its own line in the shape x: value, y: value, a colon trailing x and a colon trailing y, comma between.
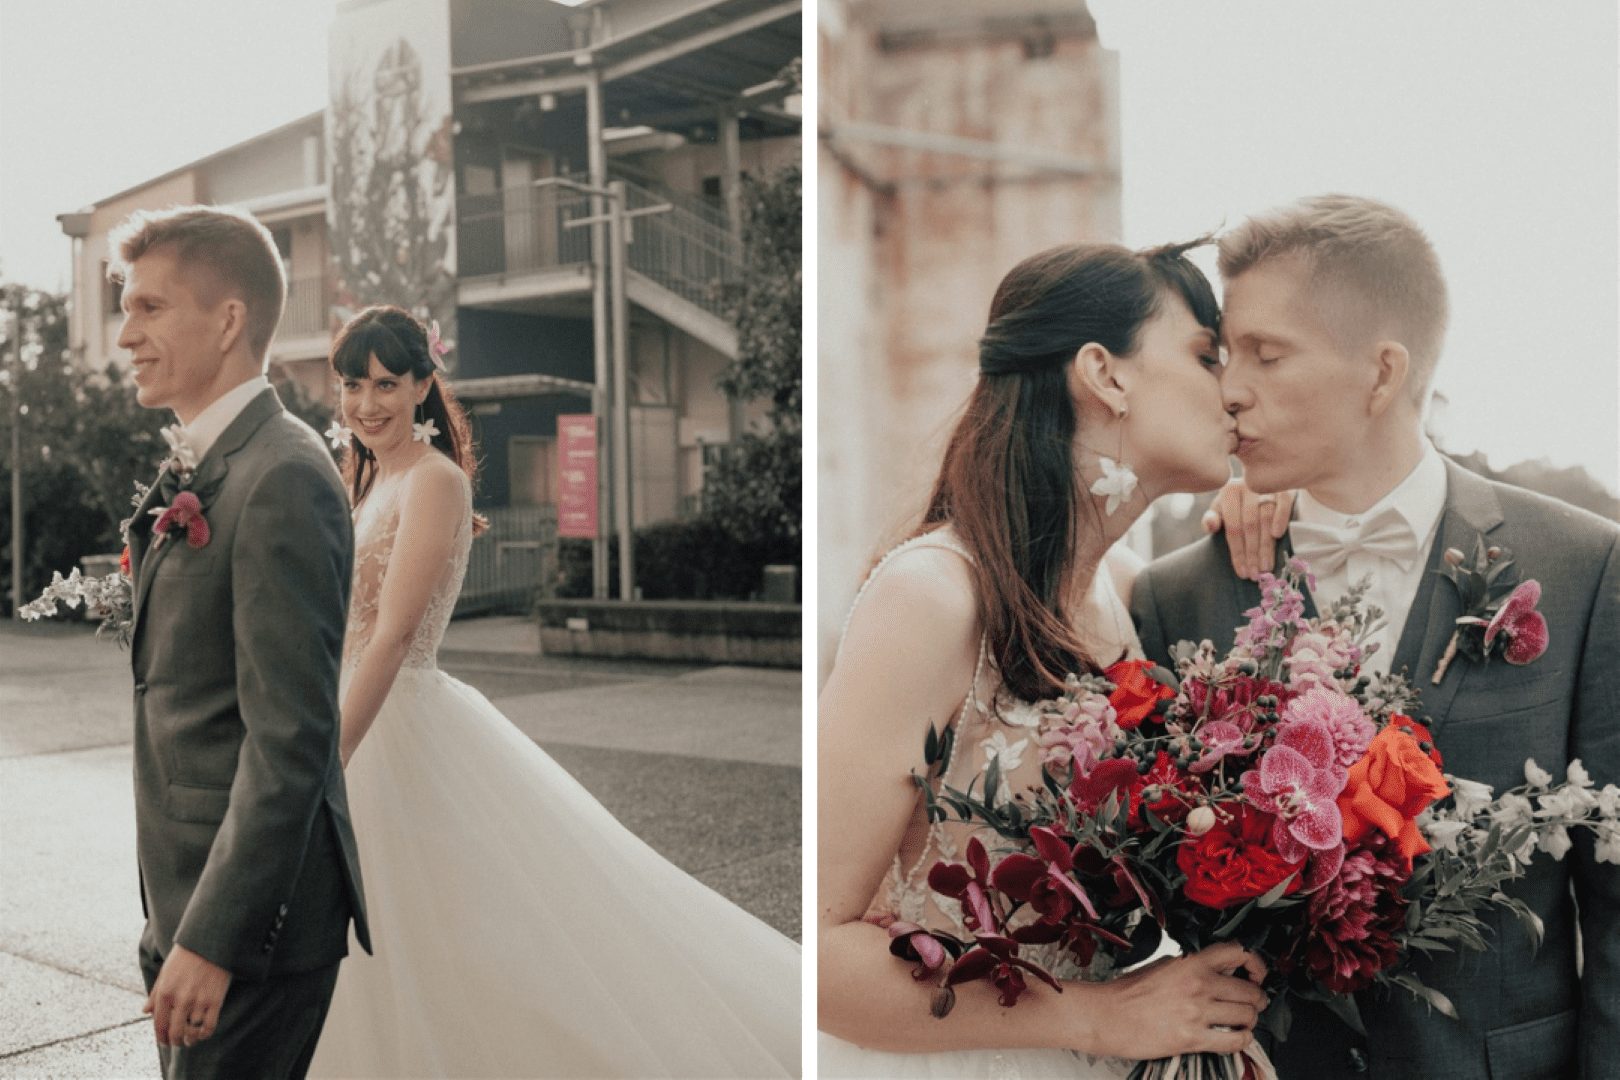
x: 512, y: 562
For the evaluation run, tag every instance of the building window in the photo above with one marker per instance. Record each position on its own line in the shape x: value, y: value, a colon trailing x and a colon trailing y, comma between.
x: 531, y: 470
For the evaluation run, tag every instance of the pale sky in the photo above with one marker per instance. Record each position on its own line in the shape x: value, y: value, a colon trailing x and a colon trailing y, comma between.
x: 1492, y: 123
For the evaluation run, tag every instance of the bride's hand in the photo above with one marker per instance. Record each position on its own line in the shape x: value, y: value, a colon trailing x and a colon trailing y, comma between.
x: 1183, y: 1005
x: 1254, y: 523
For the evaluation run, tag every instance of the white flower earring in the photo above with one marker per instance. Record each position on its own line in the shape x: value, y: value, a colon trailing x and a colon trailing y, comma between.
x: 1118, y: 481
x: 423, y: 431
x: 339, y: 434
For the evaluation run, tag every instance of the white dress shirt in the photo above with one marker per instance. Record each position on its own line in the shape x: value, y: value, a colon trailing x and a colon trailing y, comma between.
x: 1419, y: 500
x: 211, y: 423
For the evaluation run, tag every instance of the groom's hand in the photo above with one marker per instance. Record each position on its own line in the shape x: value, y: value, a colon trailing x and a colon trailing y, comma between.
x: 1253, y: 524
x: 185, y: 1000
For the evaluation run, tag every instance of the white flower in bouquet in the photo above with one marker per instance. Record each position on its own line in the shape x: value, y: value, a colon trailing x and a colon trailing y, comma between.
x: 1536, y: 775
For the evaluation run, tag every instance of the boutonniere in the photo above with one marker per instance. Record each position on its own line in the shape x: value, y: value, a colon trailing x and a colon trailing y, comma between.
x: 185, y: 513
x: 1499, y: 617
x: 182, y: 459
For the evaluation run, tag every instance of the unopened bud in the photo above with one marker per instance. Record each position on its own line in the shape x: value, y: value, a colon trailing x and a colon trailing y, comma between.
x: 1453, y: 557
x: 943, y: 1001
x: 1201, y: 820
x: 1493, y: 552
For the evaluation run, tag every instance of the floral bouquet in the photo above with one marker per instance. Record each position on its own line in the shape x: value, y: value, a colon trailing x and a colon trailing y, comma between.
x: 109, y: 598
x: 1276, y: 797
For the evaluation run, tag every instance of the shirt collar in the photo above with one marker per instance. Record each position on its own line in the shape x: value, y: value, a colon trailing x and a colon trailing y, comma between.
x: 1419, y: 499
x: 211, y: 423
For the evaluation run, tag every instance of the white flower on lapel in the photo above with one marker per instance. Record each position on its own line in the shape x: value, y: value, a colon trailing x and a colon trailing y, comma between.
x: 182, y: 455
x: 1117, y: 482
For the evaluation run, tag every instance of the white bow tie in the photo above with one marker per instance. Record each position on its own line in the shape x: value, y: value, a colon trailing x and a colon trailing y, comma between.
x: 1386, y: 535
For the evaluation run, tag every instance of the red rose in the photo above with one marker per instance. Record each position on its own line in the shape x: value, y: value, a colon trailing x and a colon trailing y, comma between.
x: 1114, y: 776
x: 1234, y: 861
x: 1136, y: 693
x: 123, y: 561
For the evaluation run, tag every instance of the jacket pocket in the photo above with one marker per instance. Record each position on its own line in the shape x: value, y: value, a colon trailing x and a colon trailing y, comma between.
x: 184, y: 561
x: 196, y: 802
x: 1534, y: 1050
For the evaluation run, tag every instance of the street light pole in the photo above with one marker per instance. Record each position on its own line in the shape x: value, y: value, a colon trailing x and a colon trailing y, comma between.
x: 619, y: 244
x: 16, y: 467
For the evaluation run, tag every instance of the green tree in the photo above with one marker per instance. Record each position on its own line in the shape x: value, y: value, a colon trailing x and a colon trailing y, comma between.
x: 84, y: 442
x: 753, y: 491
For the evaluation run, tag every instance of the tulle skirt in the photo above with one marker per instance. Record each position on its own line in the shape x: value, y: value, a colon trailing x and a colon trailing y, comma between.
x: 846, y: 1061
x: 521, y: 931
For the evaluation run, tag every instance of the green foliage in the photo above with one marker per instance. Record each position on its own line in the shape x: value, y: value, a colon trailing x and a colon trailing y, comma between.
x: 684, y: 560
x: 753, y: 492
x: 85, y: 442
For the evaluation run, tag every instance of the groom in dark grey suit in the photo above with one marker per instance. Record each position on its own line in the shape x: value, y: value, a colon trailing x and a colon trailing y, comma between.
x: 1335, y: 310
x: 240, y: 556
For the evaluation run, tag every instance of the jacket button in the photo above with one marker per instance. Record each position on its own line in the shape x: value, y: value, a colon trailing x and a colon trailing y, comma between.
x: 140, y: 687
x: 1357, y: 1059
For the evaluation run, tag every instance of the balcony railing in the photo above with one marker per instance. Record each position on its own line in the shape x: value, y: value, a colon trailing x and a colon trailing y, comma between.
x: 306, y: 311
x: 687, y: 249
x: 521, y: 230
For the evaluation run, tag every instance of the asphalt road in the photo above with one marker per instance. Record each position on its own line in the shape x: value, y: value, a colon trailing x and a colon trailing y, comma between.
x: 702, y: 763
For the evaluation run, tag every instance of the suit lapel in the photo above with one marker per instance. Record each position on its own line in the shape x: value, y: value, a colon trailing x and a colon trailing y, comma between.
x: 205, y: 482
x: 1472, y: 510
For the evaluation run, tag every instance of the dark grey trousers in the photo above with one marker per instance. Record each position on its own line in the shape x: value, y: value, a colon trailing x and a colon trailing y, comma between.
x: 267, y: 1030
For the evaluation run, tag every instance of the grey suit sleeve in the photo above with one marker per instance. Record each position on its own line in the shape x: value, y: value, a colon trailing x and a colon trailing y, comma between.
x: 1595, y: 739
x: 290, y: 566
x: 1145, y: 613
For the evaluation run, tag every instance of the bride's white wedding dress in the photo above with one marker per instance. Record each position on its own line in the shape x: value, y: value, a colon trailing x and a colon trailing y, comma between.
x: 990, y: 722
x: 520, y: 929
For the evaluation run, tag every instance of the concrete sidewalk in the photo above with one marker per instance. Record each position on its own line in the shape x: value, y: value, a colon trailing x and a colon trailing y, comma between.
x: 702, y: 763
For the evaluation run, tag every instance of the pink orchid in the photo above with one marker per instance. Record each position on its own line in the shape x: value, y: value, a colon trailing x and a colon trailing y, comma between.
x: 186, y: 513
x: 436, y: 345
x: 1299, y: 781
x: 1525, y: 627
x: 1221, y: 739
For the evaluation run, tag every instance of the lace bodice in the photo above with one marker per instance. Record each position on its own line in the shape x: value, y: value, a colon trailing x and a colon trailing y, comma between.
x: 991, y: 723
x: 376, y: 523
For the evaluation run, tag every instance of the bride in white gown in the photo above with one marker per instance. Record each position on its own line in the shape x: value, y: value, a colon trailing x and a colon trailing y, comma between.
x: 520, y: 930
x: 1098, y: 391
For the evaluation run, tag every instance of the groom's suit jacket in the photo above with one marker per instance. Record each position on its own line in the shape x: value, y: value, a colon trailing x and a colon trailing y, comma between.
x: 242, y: 825
x: 1524, y: 1013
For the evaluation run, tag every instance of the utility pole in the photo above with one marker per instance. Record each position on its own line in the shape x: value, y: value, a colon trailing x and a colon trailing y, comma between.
x: 618, y: 219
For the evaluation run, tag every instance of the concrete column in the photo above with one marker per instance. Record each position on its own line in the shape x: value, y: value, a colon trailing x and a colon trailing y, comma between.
x: 731, y: 168
x: 597, y: 156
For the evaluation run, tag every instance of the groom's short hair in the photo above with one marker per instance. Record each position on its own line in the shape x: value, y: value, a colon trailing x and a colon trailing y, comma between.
x: 234, y: 250
x: 1373, y: 271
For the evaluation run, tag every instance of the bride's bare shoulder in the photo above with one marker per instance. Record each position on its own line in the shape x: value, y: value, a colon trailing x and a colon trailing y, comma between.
x: 924, y: 590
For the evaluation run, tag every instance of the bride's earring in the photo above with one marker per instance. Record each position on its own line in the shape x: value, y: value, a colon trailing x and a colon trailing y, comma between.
x: 1118, y: 481
x: 425, y: 431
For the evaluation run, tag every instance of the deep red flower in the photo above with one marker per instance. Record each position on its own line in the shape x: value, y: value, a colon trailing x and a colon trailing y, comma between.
x: 1116, y: 775
x: 1044, y: 880
x: 1234, y: 861
x: 186, y: 513
x: 1353, y: 919
x: 996, y: 958
x: 1136, y: 693
x: 968, y: 885
x: 927, y: 950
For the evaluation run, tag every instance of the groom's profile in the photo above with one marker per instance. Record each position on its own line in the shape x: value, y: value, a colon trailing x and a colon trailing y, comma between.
x: 240, y: 558
x: 1335, y: 314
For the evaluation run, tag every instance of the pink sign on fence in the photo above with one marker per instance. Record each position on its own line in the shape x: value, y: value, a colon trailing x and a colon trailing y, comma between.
x: 576, y: 476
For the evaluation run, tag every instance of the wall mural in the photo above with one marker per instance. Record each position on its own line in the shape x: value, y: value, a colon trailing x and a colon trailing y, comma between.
x: 391, y: 202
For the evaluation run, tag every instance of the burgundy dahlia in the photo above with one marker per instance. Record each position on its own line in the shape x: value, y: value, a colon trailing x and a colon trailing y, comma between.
x: 1353, y: 920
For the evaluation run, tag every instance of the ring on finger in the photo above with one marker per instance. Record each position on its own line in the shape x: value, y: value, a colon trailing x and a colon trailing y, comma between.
x: 1266, y: 500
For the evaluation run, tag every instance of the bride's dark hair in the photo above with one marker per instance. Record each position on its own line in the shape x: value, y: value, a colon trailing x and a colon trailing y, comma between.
x: 1009, y: 482
x: 399, y: 341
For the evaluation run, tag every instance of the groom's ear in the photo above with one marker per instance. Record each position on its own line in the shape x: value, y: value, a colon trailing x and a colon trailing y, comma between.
x: 1094, y: 376
x: 232, y: 323
x: 1393, y: 366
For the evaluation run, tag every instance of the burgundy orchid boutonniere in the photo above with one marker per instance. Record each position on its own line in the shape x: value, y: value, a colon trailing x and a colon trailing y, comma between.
x: 184, y: 511
x: 1499, y: 617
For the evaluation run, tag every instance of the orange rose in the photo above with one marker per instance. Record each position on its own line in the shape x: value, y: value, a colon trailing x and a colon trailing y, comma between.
x: 123, y: 562
x: 1392, y: 784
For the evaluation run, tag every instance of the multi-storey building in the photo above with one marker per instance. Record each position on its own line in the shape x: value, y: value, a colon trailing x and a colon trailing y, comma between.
x: 462, y: 142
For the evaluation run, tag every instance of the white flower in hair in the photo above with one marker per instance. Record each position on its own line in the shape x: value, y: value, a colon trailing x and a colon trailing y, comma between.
x: 1117, y: 482
x: 426, y: 431
x: 339, y: 434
